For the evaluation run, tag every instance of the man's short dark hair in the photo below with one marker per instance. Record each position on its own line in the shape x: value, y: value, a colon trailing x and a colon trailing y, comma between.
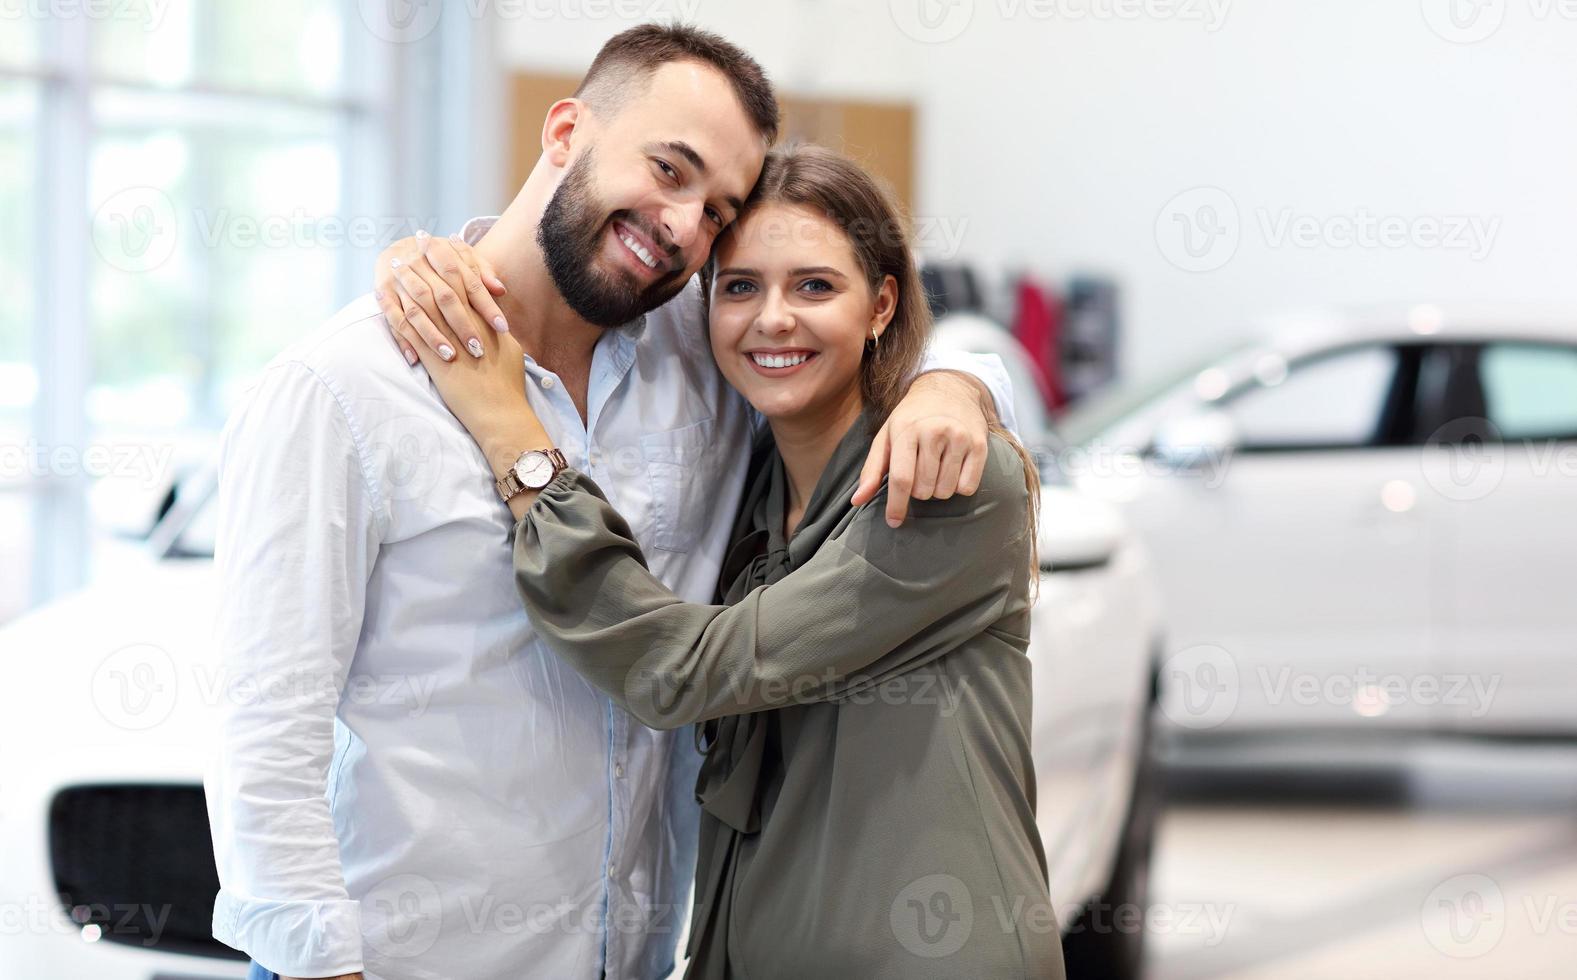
x: 630, y: 57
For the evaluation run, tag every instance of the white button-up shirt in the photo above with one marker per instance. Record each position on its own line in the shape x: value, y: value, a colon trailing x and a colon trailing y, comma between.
x: 406, y: 781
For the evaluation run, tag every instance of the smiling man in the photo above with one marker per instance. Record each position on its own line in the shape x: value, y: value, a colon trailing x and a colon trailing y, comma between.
x: 518, y: 823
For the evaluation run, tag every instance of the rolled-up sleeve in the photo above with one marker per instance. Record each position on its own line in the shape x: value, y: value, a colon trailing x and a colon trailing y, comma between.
x: 296, y: 542
x: 871, y: 603
x: 987, y: 369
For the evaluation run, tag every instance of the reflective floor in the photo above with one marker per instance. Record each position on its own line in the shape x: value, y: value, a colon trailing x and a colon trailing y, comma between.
x: 1461, y: 861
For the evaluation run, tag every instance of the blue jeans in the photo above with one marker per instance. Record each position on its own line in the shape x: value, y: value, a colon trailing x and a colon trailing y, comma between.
x: 258, y: 973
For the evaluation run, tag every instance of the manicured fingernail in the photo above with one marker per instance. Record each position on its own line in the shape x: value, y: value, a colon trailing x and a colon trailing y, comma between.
x: 474, y: 346
x: 410, y: 357
x: 893, y: 522
x: 421, y: 237
x: 499, y: 324
x: 394, y: 263
x: 446, y: 352
x: 499, y: 285
x: 377, y: 294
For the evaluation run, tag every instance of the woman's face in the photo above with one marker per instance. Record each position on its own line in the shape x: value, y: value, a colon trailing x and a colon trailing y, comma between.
x: 791, y: 312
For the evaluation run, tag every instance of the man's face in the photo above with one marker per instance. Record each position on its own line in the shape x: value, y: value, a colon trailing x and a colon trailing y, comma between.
x: 647, y: 192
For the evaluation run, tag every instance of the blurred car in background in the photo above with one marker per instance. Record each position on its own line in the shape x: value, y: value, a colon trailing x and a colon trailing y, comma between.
x: 110, y: 702
x: 1364, y: 523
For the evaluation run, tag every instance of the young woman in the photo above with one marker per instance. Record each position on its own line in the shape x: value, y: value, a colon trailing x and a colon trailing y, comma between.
x: 863, y: 691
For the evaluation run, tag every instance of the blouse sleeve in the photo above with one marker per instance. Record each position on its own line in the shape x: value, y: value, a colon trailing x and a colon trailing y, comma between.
x: 872, y: 602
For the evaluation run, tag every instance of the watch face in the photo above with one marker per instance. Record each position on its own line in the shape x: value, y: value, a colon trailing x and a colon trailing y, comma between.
x: 534, y: 470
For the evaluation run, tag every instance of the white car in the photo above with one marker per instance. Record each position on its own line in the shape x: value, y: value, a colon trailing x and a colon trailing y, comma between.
x: 1365, y: 523
x: 109, y: 693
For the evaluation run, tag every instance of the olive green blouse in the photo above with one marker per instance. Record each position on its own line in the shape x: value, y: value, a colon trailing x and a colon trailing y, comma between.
x: 868, y: 791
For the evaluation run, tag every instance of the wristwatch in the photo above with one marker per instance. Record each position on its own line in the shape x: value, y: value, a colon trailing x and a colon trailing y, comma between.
x: 534, y: 470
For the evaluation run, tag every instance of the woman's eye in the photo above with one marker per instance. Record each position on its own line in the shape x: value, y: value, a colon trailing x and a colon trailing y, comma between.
x: 738, y: 287
x: 817, y: 285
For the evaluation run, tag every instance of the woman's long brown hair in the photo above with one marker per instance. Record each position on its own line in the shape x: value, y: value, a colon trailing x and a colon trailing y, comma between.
x: 813, y: 177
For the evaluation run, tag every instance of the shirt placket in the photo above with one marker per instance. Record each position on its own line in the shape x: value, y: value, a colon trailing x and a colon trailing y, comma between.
x: 611, y: 361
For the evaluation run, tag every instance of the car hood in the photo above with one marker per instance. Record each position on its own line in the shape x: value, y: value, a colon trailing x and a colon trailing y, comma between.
x: 114, y: 683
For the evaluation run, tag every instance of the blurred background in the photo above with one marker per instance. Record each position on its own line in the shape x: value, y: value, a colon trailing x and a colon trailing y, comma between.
x: 1285, y: 288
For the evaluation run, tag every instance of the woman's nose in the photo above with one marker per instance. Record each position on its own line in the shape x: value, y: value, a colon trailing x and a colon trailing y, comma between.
x: 775, y: 316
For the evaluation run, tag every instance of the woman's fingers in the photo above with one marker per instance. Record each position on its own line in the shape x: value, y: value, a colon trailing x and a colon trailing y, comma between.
x: 387, y: 296
x: 411, y: 291
x: 471, y: 271
x: 445, y: 301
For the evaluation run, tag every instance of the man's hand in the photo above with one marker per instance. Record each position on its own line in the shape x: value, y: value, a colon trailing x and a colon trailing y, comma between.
x: 933, y: 445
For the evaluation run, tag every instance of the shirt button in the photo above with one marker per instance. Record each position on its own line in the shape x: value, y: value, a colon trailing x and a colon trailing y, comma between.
x: 547, y: 382
x: 612, y: 873
x: 618, y: 771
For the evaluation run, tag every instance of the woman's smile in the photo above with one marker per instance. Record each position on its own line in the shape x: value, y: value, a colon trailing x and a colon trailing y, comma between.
x: 779, y: 362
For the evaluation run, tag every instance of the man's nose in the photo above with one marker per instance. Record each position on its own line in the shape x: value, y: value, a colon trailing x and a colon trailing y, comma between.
x: 682, y: 222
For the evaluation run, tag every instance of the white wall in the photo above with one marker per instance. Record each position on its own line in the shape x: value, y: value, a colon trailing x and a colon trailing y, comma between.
x: 1059, y: 134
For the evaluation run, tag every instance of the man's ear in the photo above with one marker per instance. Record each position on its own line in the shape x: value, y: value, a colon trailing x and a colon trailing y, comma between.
x: 558, y: 130
x: 886, y: 305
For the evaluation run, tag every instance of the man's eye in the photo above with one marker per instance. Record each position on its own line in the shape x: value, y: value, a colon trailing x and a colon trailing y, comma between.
x: 717, y: 219
x: 668, y: 169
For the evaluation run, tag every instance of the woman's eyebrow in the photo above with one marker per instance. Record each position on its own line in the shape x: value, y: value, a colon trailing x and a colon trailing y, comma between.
x: 735, y: 270
x: 817, y: 270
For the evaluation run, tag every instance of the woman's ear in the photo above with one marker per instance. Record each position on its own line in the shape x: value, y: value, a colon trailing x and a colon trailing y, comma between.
x: 558, y: 129
x: 886, y: 305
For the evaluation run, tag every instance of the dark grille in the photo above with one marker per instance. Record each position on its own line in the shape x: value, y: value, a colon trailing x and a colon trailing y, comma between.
x: 137, y: 861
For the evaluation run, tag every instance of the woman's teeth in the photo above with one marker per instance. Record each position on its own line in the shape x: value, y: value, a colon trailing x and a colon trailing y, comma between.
x: 779, y: 360
x: 640, y: 252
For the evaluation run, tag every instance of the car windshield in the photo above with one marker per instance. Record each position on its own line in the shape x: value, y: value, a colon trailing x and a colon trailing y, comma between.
x: 1104, y: 409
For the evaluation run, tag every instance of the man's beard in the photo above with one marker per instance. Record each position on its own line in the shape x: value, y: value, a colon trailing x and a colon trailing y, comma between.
x: 570, y: 236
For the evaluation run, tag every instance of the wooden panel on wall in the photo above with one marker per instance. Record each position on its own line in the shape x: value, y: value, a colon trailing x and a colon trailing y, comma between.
x: 531, y: 95
x: 880, y: 135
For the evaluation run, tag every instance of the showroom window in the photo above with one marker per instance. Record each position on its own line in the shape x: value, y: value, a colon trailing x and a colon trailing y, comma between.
x: 1332, y: 401
x: 1530, y: 390
x: 187, y: 187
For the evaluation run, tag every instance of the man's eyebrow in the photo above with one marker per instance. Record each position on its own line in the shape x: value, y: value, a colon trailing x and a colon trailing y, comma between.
x: 680, y: 147
x: 685, y: 150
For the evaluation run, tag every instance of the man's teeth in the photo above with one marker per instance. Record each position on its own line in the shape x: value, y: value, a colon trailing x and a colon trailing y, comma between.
x: 640, y: 252
x: 779, y: 360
